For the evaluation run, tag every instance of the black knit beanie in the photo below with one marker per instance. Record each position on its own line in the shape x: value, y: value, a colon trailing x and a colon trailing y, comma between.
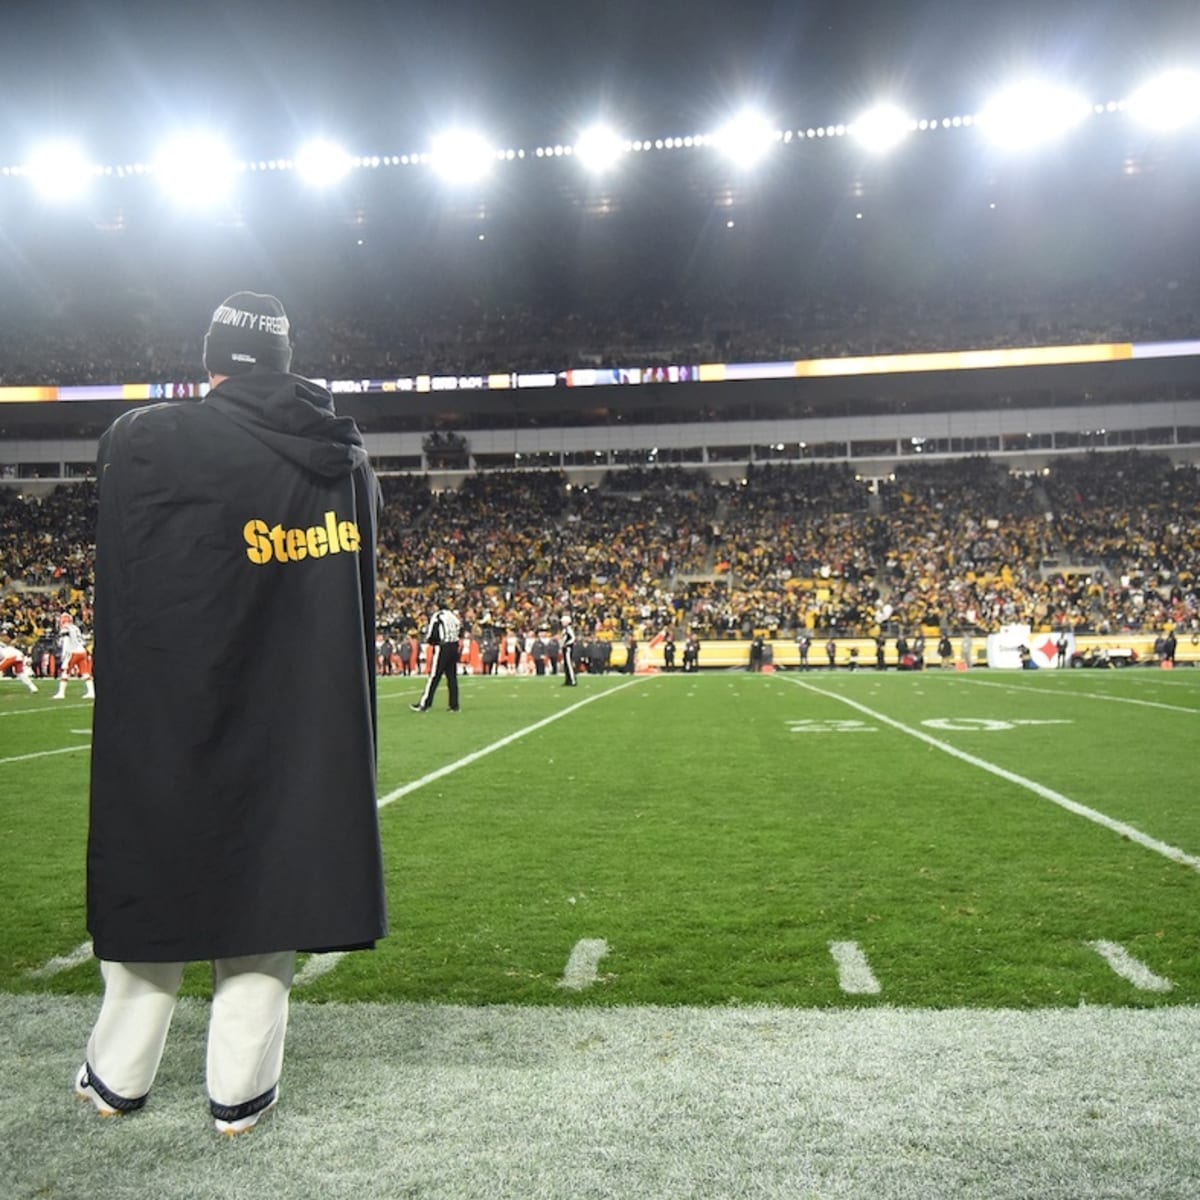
x: 248, y: 331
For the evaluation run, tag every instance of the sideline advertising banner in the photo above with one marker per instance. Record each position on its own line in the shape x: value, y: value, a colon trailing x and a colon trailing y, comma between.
x: 1004, y: 648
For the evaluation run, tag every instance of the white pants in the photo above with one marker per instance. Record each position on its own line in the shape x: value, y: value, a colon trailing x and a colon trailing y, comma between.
x: 246, y: 1027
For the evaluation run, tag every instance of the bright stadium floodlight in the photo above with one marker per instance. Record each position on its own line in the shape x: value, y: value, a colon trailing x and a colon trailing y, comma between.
x: 882, y: 127
x: 321, y: 163
x: 460, y: 156
x: 60, y: 171
x: 196, y: 169
x: 1169, y: 102
x: 746, y: 138
x: 1031, y: 114
x: 599, y: 148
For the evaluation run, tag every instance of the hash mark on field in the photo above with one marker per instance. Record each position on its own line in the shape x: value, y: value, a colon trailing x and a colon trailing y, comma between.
x: 580, y: 971
x: 476, y: 755
x: 42, y: 754
x: 64, y: 962
x: 855, y: 976
x: 1130, y: 968
x: 317, y: 965
x: 1174, y: 853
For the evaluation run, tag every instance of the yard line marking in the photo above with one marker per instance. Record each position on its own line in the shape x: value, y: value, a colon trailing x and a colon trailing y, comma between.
x: 1130, y: 968
x: 1089, y: 696
x: 1038, y: 789
x: 580, y: 971
x: 317, y: 965
x: 855, y: 976
x: 476, y: 755
x: 25, y: 712
x: 64, y: 962
x: 43, y: 754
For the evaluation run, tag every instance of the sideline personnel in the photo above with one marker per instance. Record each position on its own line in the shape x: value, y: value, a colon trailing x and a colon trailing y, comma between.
x: 233, y: 811
x: 441, y: 636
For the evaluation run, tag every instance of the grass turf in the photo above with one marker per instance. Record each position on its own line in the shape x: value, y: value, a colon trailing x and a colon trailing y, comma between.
x: 718, y: 831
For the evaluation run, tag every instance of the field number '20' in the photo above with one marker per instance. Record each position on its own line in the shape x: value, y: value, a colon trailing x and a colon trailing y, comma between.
x: 948, y: 724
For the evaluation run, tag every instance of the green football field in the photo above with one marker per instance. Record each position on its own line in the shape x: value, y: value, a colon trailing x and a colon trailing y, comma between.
x: 821, y: 840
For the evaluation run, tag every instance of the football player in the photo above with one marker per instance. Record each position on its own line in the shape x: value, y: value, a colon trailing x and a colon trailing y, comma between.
x: 11, y: 657
x: 73, y: 656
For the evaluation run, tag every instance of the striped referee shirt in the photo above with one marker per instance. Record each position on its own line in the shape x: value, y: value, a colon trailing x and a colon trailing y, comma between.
x: 444, y: 627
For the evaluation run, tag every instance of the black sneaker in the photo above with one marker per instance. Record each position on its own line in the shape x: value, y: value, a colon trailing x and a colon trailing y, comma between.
x: 416, y: 708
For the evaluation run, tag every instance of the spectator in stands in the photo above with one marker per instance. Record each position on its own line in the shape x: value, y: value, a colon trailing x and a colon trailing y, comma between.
x: 957, y: 545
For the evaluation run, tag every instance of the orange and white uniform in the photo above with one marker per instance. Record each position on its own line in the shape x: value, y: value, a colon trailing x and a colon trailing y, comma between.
x: 10, y: 656
x: 511, y: 652
x: 73, y: 658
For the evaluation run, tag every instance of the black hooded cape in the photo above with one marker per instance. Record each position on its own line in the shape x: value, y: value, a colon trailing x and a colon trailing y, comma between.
x: 233, y: 805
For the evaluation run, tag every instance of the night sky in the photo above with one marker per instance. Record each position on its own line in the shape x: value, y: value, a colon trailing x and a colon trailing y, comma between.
x: 382, y: 76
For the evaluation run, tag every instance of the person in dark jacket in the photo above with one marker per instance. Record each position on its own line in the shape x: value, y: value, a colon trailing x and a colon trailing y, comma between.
x: 1169, y: 646
x: 945, y: 651
x: 803, y: 643
x: 757, y: 647
x: 233, y: 811
x: 691, y: 653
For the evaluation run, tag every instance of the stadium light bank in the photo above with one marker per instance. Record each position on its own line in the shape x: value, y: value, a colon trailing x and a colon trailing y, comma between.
x: 199, y: 168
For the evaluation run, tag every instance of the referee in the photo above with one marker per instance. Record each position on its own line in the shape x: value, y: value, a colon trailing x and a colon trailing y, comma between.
x: 568, y: 652
x: 442, y: 636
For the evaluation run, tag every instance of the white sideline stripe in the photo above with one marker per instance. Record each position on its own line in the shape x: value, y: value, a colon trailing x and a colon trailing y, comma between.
x: 1072, y: 806
x: 25, y: 712
x: 1008, y: 687
x: 43, y: 754
x: 855, y: 976
x: 581, y: 969
x: 65, y: 962
x: 476, y: 755
x: 1130, y: 968
x: 317, y: 965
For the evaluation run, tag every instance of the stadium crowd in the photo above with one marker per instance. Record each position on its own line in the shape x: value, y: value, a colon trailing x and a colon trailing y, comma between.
x: 1100, y: 543
x: 76, y: 339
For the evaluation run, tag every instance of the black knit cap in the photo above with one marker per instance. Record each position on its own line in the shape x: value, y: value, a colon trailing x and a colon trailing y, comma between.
x: 248, y: 332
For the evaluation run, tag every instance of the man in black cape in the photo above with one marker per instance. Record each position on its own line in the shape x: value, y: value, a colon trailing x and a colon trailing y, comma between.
x: 233, y: 809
